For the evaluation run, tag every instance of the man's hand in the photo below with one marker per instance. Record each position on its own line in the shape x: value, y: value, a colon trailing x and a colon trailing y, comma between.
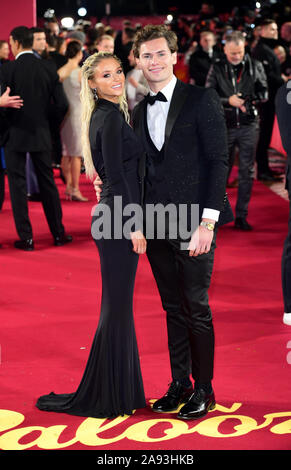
x: 98, y: 187
x: 201, y: 240
x: 285, y: 77
x: 139, y: 242
x: 236, y: 101
x: 7, y: 101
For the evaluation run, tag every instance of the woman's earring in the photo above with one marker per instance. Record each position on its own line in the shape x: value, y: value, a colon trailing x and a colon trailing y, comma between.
x: 95, y: 94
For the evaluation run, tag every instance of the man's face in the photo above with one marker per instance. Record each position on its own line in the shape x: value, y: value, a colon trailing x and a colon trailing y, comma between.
x: 39, y: 42
x: 234, y: 52
x: 207, y: 42
x: 280, y: 53
x: 270, y: 31
x: 4, y: 51
x: 157, y: 62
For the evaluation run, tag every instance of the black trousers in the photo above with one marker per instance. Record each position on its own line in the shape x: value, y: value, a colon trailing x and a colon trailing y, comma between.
x: 183, y: 284
x: 286, y: 261
x: 246, y: 138
x: 16, y: 170
x: 267, y: 116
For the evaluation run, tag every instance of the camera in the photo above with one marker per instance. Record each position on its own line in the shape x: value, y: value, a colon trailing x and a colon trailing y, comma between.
x: 251, y: 109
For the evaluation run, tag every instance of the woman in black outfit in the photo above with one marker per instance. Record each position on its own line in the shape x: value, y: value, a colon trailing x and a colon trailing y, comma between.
x: 112, y: 383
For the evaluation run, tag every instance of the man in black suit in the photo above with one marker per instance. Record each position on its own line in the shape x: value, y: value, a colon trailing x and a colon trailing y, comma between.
x: 28, y: 131
x: 283, y: 110
x: 6, y: 101
x: 264, y: 53
x: 201, y: 60
x: 184, y: 134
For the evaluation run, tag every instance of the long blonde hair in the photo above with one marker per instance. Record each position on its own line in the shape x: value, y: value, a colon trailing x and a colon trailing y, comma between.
x: 89, y: 104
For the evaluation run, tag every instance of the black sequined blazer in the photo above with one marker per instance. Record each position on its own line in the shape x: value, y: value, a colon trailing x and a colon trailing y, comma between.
x: 196, y: 153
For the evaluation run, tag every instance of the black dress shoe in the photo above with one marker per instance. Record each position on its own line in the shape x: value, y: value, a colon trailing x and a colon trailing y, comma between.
x: 198, y: 405
x: 242, y: 224
x: 176, y: 395
x: 63, y: 239
x: 26, y: 245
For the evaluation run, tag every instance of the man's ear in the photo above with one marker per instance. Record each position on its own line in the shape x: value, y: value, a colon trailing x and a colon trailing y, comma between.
x: 174, y: 56
x: 137, y: 61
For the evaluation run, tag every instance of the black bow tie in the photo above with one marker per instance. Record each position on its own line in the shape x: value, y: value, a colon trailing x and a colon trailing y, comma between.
x: 152, y: 99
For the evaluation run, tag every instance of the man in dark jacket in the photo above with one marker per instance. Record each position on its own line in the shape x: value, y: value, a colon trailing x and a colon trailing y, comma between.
x: 28, y: 131
x: 201, y: 60
x: 264, y: 53
x: 283, y: 109
x: 241, y: 84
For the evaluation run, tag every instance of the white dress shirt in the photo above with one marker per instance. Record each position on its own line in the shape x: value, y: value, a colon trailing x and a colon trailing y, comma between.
x: 156, y: 119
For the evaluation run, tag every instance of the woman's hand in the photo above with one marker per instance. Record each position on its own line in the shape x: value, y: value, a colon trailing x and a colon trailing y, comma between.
x: 98, y: 187
x: 139, y: 242
x: 7, y: 101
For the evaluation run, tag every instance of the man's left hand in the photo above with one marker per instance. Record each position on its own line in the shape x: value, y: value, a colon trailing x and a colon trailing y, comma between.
x: 201, y: 240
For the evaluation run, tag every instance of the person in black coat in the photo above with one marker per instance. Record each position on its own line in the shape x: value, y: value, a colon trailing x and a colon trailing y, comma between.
x: 242, y: 86
x: 185, y: 165
x: 6, y: 101
x: 185, y: 141
x: 264, y: 53
x: 28, y: 131
x: 201, y: 60
x: 283, y: 111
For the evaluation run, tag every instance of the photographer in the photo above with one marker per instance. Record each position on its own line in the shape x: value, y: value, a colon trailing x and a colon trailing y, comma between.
x: 241, y: 84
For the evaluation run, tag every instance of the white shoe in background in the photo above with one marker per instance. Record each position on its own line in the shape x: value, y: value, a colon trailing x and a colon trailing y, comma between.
x: 287, y: 318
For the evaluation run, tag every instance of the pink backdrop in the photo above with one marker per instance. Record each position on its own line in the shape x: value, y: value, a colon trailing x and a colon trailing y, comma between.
x: 16, y: 13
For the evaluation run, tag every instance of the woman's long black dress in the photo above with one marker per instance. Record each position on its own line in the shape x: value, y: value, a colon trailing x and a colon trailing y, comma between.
x: 112, y: 382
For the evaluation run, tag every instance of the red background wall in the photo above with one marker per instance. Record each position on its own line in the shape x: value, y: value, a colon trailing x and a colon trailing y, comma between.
x: 16, y: 13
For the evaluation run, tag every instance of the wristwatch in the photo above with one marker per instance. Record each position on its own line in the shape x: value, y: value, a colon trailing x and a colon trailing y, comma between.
x: 207, y: 225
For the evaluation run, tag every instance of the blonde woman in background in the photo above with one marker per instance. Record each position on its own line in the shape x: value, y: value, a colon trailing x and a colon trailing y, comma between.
x: 70, y: 76
x: 112, y: 383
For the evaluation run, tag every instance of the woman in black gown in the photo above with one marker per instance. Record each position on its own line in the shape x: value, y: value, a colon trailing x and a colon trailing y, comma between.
x: 112, y: 382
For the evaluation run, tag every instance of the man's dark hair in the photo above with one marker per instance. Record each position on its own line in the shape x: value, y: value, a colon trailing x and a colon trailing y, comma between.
x: 72, y: 49
x: 23, y: 35
x: 37, y: 30
x: 150, y: 32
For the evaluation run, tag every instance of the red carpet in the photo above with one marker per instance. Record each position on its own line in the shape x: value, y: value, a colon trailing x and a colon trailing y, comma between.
x: 49, y: 313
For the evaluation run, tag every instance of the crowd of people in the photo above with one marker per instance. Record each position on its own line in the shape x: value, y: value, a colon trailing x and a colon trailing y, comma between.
x: 245, y: 56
